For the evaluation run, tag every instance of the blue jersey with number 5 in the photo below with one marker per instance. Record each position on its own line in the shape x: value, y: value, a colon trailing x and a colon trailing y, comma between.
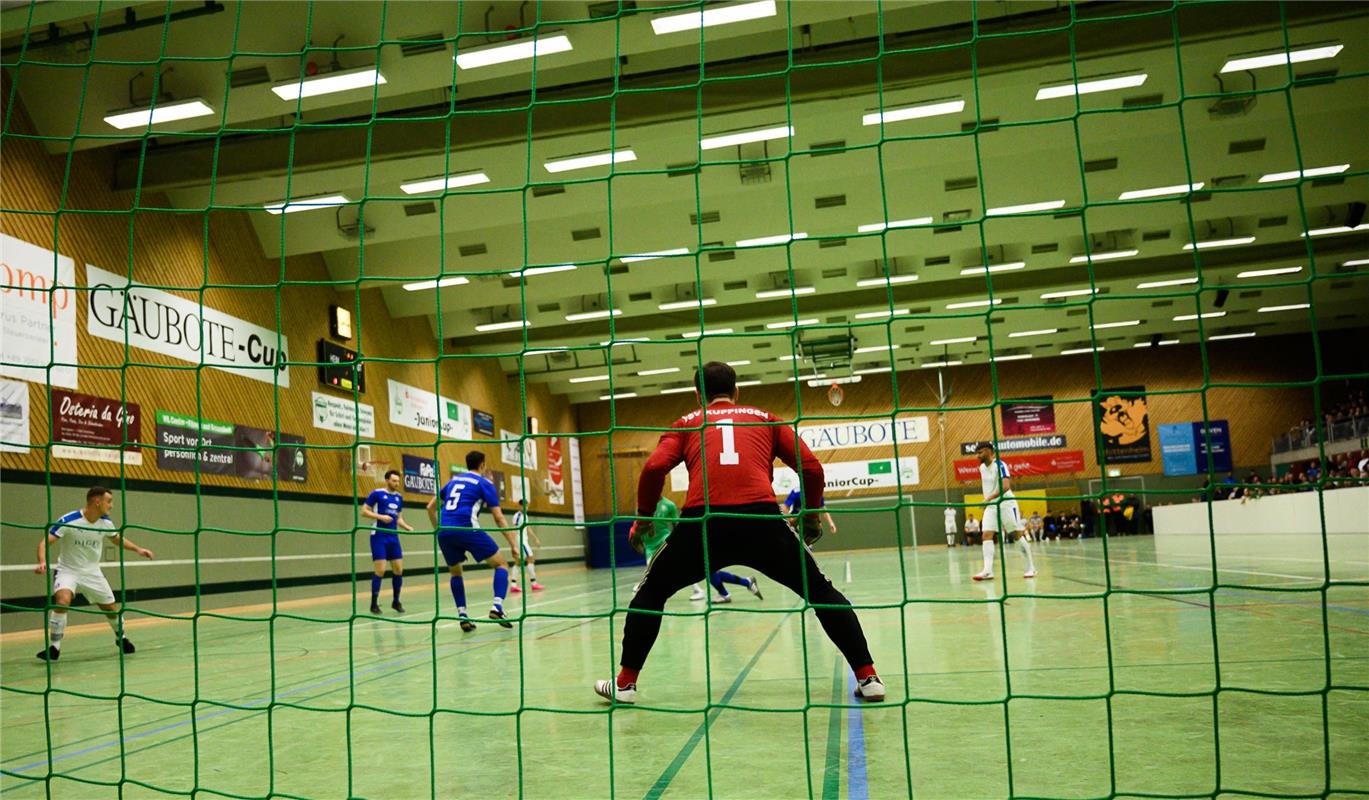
x: 464, y: 497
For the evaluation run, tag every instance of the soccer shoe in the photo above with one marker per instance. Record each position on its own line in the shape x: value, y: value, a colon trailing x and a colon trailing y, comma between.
x: 1031, y: 573
x: 513, y: 589
x: 698, y: 594
x: 50, y: 654
x: 986, y: 575
x: 870, y: 690
x: 397, y: 606
x: 375, y: 609
x: 125, y: 645
x: 496, y: 614
x: 609, y: 691
x: 727, y: 598
x: 755, y: 587
x: 466, y: 625
x: 537, y: 587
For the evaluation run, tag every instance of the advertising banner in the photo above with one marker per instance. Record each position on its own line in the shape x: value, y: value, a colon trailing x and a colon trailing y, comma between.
x: 14, y: 417
x: 839, y: 476
x: 1184, y: 447
x: 1123, y: 424
x: 484, y: 423
x: 81, y: 420
x: 511, y: 450
x: 1051, y: 442
x: 151, y: 319
x: 187, y: 444
x: 556, y: 474
x: 577, y: 492
x: 423, y: 410
x: 260, y: 458
x: 344, y: 415
x: 865, y: 433
x: 1065, y: 462
x: 420, y: 475
x: 39, y: 314
x: 1028, y: 417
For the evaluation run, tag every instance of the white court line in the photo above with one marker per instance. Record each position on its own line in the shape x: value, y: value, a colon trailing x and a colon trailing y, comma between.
x: 181, y: 562
x: 1301, y: 578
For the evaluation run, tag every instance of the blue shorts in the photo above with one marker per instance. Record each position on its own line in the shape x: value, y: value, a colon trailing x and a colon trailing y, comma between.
x: 385, y: 547
x: 457, y: 542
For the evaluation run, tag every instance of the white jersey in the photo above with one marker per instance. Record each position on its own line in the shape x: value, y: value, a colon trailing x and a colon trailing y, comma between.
x: 82, y: 541
x: 972, y: 525
x: 518, y: 518
x: 991, y: 477
x: 950, y: 520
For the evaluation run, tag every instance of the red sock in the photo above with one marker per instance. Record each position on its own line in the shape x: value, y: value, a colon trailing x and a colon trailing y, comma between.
x: 626, y: 677
x: 864, y: 672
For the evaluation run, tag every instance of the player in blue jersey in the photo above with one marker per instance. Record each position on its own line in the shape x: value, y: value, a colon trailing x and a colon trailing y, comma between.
x: 385, y: 506
x: 461, y: 501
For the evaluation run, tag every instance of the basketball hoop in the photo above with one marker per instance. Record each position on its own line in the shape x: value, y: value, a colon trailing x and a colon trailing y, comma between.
x: 835, y: 394
x: 374, y: 469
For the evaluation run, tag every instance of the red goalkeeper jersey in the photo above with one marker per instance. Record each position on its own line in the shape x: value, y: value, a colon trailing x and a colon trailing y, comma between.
x: 736, y: 448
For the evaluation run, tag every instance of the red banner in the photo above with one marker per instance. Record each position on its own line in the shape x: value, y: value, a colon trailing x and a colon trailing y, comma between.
x: 1066, y: 461
x: 81, y: 420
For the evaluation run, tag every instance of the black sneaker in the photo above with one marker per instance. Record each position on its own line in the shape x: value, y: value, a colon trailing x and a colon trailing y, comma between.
x: 375, y: 609
x: 397, y: 606
x: 50, y: 654
x: 466, y: 625
x: 125, y: 645
x: 496, y: 614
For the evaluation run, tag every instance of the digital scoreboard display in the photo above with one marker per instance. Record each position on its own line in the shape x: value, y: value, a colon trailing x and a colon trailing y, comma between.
x: 338, y: 367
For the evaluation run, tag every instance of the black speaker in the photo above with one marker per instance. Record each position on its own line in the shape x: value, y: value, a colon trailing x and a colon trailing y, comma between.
x: 1220, y: 299
x: 1355, y: 215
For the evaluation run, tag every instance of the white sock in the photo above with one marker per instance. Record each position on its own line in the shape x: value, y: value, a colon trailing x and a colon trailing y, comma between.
x: 988, y: 555
x: 117, y: 623
x: 532, y: 570
x: 1027, y: 551
x: 461, y: 611
x: 499, y: 604
x: 950, y: 538
x: 57, y: 628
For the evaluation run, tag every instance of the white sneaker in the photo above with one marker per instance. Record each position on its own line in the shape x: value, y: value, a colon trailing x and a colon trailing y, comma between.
x: 1031, y: 573
x: 755, y: 587
x: 986, y: 575
x: 627, y: 696
x: 698, y: 594
x: 726, y: 599
x: 870, y: 690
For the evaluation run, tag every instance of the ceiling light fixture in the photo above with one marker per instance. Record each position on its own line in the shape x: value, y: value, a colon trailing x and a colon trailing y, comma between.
x: 775, y: 326
x: 1018, y: 357
x: 892, y: 280
x: 1243, y: 335
x: 714, y: 15
x: 794, y: 291
x: 679, y: 251
x: 1281, y: 58
x: 875, y: 227
x: 441, y: 183
x: 1265, y: 273
x: 1205, y: 315
x: 1160, y: 191
x: 1026, y: 208
x: 761, y: 241
x: 592, y: 160
x: 1162, y: 284
x: 1088, y: 258
x: 929, y: 364
x: 696, y: 334
x: 528, y: 272
x: 503, y: 326
x: 1123, y: 324
x: 663, y: 371
x: 330, y: 83
x: 975, y: 303
x: 1219, y: 243
x: 172, y: 111
x: 1042, y: 332
x: 1338, y: 229
x: 961, y: 340
x: 1314, y: 172
x: 678, y: 390
x: 1077, y: 350
x: 1015, y: 265
x: 1091, y: 86
x: 1067, y: 293
x: 745, y: 137
x: 619, y: 396
x: 920, y: 111
x: 588, y: 315
x: 505, y: 52
x: 882, y: 314
x: 739, y: 363
x: 435, y: 284
x: 589, y: 379
x: 1290, y: 307
x: 872, y: 370
x: 679, y: 305
x: 747, y: 383
x: 306, y: 204
x: 883, y: 348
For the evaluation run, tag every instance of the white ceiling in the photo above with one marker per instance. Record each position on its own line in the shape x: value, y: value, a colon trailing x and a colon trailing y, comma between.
x: 816, y: 66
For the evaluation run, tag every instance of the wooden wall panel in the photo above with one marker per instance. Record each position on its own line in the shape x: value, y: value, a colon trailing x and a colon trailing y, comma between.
x: 192, y: 250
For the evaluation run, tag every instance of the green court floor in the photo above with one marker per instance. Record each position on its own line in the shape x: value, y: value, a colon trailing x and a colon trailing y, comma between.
x: 1112, y: 693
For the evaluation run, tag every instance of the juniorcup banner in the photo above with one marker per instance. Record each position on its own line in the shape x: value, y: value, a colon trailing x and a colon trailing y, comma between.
x: 839, y: 476
x: 865, y: 433
x: 164, y: 323
x: 39, y: 315
x: 422, y: 410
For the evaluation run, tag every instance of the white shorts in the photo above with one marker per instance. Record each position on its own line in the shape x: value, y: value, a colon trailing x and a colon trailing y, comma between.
x: 951, y: 527
x: 1011, y: 515
x: 525, y: 546
x: 91, y: 583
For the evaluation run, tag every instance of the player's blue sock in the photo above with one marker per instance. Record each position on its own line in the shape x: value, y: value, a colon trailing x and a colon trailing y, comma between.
x: 396, y: 583
x: 501, y: 586
x: 375, y: 588
x: 459, y: 594
x: 719, y: 578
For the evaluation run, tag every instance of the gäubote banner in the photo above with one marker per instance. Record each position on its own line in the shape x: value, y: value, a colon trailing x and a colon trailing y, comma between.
x: 865, y: 433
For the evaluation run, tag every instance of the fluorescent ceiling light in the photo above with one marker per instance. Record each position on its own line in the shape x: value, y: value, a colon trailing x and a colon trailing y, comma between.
x: 1108, y: 256
x: 795, y: 291
x: 439, y: 184
x: 975, y: 303
x: 664, y: 371
x: 883, y: 348
x: 875, y: 227
x: 592, y: 160
x: 745, y: 137
x: 678, y: 390
x: 164, y: 112
x: 1042, y: 332
x: 1162, y: 284
x: 1243, y: 335
x: 1281, y: 58
x: 739, y: 363
x: 914, y: 112
x: 1265, y: 273
x: 1339, y: 229
x: 1018, y: 357
x: 619, y: 396
x: 679, y: 251
x: 435, y: 284
x: 621, y: 342
x: 1077, y: 350
x: 513, y: 51
x: 774, y: 326
x: 306, y: 204
x: 882, y: 314
x: 871, y: 370
x: 584, y: 315
x: 1275, y: 177
x: 715, y: 15
x: 695, y: 334
x: 678, y: 305
x: 747, y: 383
x: 1292, y: 307
x: 892, y: 280
x: 764, y: 240
x: 818, y: 381
x: 1123, y: 324
x: 961, y: 340
x: 589, y: 379
x: 1160, y: 191
x: 819, y: 377
x: 1165, y: 342
x: 1091, y: 86
x: 547, y: 270
x: 1206, y: 315
x: 1067, y: 293
x: 1219, y: 243
x: 1047, y: 205
x: 787, y: 358
x: 1141, y: 344
x: 330, y: 83
x: 942, y: 364
x: 994, y: 268
x: 503, y: 326
x: 1359, y: 262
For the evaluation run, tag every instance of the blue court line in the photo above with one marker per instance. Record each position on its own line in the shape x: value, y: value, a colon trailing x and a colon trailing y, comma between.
x: 857, y: 785
x: 831, y: 772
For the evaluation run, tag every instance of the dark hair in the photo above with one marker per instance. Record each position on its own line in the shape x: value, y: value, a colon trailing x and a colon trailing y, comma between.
x: 96, y: 491
x: 715, y: 379
x: 983, y: 446
x: 475, y: 460
x: 390, y: 472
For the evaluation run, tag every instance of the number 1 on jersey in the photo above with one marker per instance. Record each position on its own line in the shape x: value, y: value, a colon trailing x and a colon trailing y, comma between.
x: 728, y: 456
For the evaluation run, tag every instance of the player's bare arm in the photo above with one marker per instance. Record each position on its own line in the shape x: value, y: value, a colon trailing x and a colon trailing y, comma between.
x: 128, y: 545
x: 43, y: 545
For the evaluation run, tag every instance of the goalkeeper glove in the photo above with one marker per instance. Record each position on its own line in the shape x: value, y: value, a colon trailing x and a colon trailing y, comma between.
x: 641, y: 529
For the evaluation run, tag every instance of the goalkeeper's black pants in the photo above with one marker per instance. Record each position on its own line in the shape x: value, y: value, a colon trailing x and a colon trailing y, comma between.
x: 766, y: 545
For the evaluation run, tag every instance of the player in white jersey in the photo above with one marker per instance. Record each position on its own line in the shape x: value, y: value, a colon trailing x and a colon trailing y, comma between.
x: 950, y: 526
x: 81, y: 535
x: 522, y: 548
x: 1000, y: 510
